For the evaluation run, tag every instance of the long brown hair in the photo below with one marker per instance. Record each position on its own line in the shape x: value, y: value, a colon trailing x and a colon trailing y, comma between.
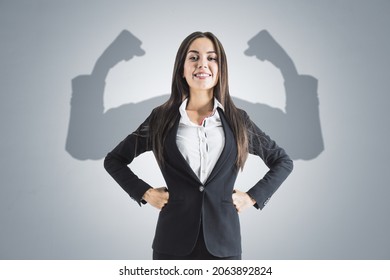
x: 166, y: 114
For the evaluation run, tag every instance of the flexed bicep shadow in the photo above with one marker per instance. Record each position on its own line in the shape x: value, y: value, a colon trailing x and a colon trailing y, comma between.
x: 92, y: 132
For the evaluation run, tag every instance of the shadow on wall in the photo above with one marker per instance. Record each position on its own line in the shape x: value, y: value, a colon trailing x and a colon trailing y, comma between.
x: 92, y: 133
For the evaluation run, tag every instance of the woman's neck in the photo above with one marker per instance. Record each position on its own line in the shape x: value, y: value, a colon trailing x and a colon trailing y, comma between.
x: 200, y: 102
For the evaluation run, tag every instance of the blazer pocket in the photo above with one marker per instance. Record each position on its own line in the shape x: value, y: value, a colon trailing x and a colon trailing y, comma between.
x: 225, y: 201
x: 172, y: 202
x: 228, y: 205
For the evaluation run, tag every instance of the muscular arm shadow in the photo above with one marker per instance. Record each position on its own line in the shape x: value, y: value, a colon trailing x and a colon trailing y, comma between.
x: 92, y: 132
x: 298, y: 129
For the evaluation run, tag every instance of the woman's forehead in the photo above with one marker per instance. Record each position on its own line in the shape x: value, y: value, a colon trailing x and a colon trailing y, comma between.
x: 201, y: 45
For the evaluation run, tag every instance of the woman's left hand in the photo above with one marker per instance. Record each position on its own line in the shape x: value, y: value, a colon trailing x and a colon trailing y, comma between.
x: 242, y: 200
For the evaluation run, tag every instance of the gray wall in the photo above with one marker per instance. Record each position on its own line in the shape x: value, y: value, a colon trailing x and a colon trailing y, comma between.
x: 58, y: 203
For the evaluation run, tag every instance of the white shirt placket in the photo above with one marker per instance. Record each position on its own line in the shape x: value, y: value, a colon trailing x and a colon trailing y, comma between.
x: 203, y: 153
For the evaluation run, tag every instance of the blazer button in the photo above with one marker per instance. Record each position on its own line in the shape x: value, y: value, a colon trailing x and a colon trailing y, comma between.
x: 201, y: 188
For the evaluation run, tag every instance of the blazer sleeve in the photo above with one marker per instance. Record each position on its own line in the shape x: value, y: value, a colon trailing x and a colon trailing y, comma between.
x: 116, y: 162
x: 276, y: 159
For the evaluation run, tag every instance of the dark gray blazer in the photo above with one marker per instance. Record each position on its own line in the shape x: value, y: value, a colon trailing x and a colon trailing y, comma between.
x: 191, y: 203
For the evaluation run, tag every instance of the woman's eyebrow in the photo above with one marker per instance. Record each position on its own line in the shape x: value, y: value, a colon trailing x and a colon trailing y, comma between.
x: 198, y: 52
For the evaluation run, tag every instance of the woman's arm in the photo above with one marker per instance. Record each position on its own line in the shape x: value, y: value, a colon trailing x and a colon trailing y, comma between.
x: 116, y: 162
x: 279, y: 163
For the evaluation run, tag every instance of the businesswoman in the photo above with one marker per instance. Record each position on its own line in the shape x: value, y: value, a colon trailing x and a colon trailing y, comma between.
x: 200, y: 141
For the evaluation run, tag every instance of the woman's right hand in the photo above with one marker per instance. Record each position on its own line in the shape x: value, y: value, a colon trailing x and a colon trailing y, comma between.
x: 157, y: 197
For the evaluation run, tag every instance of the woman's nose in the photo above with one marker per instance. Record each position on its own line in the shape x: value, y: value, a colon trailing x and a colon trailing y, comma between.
x: 202, y: 63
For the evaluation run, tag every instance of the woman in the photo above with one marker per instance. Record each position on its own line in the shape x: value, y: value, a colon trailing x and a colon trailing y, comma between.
x: 200, y: 141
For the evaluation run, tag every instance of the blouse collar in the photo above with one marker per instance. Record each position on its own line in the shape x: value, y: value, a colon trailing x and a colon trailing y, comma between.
x: 183, y: 113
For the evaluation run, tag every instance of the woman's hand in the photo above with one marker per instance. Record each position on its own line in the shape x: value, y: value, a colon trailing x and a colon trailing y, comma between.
x: 242, y: 200
x: 157, y: 197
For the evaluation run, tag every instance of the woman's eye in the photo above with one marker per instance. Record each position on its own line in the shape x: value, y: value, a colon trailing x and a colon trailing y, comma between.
x: 212, y: 58
x: 193, y: 58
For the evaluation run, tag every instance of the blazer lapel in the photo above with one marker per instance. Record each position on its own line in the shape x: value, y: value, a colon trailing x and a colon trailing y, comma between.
x: 229, y: 148
x: 174, y: 153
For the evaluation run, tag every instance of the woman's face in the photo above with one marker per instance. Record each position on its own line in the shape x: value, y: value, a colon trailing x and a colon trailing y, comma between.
x: 201, y: 66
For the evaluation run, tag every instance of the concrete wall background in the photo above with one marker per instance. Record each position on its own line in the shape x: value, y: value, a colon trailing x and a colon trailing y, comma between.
x: 55, y: 206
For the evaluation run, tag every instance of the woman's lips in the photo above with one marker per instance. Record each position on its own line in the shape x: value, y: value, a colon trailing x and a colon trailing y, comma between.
x: 202, y: 75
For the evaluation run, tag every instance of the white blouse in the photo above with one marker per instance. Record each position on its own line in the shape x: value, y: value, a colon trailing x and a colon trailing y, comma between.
x: 201, y: 144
